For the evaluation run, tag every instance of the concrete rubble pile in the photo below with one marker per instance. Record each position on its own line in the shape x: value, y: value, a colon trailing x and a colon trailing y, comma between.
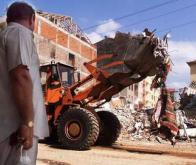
x: 135, y: 125
x: 188, y: 109
x: 187, y: 126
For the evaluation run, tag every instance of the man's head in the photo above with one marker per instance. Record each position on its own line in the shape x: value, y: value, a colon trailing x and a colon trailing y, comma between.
x: 22, y: 13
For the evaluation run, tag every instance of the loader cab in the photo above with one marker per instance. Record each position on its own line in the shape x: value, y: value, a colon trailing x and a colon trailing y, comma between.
x: 57, y: 74
x: 55, y: 77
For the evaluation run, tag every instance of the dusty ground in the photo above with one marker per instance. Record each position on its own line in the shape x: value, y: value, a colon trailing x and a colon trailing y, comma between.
x: 126, y: 153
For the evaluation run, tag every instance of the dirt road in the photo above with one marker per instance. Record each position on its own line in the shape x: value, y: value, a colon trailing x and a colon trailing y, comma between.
x: 125, y: 154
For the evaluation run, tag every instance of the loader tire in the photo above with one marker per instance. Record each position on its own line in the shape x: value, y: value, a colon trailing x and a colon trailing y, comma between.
x: 77, y: 129
x: 109, y: 130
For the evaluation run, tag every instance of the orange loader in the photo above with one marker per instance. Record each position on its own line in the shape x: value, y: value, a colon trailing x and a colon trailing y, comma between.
x: 72, y: 104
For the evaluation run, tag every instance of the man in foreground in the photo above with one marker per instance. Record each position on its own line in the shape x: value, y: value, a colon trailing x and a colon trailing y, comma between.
x: 22, y: 114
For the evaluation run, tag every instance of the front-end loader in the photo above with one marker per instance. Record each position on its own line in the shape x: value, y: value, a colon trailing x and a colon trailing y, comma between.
x: 71, y: 104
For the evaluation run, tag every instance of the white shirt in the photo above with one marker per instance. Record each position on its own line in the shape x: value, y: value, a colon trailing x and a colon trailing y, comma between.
x: 17, y: 47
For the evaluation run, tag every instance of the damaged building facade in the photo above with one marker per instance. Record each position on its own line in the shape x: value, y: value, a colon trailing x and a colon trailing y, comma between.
x: 58, y: 37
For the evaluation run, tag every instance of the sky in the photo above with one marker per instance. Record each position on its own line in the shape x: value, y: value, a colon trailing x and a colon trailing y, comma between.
x: 178, y: 17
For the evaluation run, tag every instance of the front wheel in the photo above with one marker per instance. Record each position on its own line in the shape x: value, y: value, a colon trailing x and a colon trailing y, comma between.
x: 77, y: 129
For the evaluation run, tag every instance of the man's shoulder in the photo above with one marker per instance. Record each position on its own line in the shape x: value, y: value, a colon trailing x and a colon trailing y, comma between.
x: 15, y: 33
x: 18, y: 29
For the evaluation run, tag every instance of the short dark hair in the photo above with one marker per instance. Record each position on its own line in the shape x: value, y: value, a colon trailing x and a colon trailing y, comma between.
x: 19, y: 11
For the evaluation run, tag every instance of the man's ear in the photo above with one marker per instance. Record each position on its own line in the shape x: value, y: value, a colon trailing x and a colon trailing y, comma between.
x: 32, y: 20
x: 33, y: 17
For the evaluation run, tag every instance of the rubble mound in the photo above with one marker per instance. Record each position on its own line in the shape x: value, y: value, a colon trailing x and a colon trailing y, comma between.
x: 130, y: 120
